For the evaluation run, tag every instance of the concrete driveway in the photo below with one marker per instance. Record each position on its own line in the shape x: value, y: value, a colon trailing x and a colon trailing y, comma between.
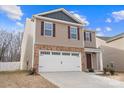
x: 81, y: 80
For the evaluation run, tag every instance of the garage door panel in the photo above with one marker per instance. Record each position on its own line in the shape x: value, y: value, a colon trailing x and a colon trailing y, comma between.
x: 49, y: 69
x: 50, y: 61
x: 73, y: 60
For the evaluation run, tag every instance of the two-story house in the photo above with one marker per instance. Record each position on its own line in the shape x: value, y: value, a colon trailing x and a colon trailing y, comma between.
x: 55, y: 41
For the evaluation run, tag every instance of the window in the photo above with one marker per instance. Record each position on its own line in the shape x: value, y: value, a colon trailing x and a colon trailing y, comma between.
x: 48, y: 28
x: 55, y: 53
x: 87, y: 36
x: 73, y: 32
x: 66, y: 54
x: 75, y: 54
x: 45, y: 53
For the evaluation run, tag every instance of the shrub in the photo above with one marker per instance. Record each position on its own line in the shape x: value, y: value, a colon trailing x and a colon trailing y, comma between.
x: 112, y: 72
x: 109, y: 68
x: 105, y: 70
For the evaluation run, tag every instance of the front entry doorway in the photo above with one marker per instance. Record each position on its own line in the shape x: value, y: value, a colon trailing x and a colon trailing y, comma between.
x: 89, y: 61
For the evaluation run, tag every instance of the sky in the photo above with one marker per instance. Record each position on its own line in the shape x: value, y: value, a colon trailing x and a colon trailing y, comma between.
x: 105, y: 20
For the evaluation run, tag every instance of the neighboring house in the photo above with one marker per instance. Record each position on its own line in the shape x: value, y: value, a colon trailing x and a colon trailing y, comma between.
x: 101, y: 41
x: 55, y: 41
x: 117, y: 41
x: 112, y: 50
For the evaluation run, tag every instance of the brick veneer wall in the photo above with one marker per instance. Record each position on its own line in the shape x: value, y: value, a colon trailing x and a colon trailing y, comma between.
x: 38, y: 47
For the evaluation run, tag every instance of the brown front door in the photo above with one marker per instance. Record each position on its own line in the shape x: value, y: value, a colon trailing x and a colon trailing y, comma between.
x: 88, y: 57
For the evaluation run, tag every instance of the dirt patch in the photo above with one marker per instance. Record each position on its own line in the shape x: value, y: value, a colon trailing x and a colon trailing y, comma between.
x: 118, y: 76
x: 23, y: 80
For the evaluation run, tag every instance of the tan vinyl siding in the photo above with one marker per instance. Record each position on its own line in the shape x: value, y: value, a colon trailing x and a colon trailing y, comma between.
x: 61, y: 37
x: 92, y: 43
x: 113, y: 55
x: 100, y: 42
x: 119, y: 43
x: 113, y: 52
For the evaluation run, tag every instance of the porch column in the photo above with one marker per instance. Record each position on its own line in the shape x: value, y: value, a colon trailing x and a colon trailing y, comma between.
x: 98, y: 60
x: 101, y: 61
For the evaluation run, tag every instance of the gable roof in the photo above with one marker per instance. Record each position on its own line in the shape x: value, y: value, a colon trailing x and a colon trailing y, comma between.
x: 116, y: 37
x: 110, y: 39
x: 72, y: 17
x: 103, y: 38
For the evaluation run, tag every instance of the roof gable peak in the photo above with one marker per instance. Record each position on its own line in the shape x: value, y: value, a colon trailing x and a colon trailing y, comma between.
x: 64, y: 11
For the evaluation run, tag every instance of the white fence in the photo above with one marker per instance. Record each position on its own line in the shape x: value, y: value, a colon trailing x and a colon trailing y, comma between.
x: 9, y: 66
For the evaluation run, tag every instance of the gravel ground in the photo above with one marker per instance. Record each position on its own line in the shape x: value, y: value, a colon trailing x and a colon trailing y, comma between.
x: 23, y: 80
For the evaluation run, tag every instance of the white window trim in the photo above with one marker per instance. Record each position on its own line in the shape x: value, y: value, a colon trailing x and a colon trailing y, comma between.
x: 51, y: 29
x: 76, y: 33
x: 88, y: 36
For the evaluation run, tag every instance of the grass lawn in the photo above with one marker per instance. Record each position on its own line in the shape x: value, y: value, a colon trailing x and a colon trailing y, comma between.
x: 21, y: 79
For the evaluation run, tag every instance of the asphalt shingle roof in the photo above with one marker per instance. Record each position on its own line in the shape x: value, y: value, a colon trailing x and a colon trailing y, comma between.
x: 111, y: 38
x: 104, y: 38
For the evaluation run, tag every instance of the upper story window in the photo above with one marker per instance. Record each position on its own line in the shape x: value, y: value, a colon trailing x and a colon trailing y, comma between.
x: 87, y: 36
x: 73, y: 32
x: 48, y: 28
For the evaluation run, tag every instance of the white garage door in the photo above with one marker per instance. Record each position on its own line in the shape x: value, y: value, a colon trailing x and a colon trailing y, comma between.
x: 51, y: 61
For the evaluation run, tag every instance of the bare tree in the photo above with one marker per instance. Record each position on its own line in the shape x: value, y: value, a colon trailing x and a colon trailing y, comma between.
x: 10, y: 45
x: 15, y: 47
x: 5, y: 40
